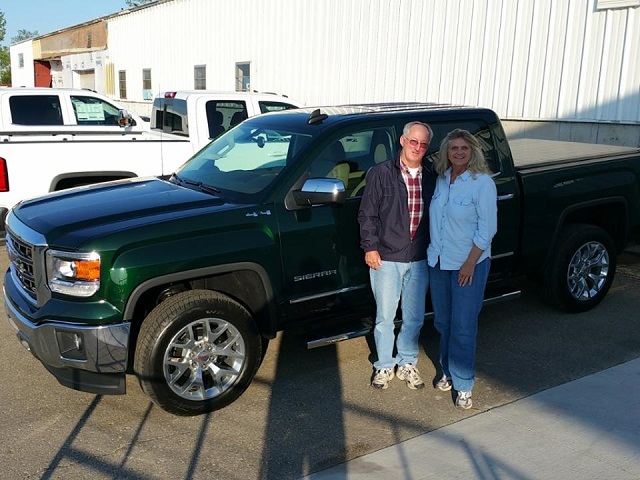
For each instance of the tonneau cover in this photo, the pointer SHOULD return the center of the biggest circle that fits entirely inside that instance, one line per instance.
(530, 152)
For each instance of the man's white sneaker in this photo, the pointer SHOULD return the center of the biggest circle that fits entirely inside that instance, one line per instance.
(464, 400)
(444, 384)
(409, 373)
(382, 377)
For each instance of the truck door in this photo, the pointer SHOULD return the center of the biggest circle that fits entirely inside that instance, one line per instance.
(498, 158)
(505, 243)
(323, 264)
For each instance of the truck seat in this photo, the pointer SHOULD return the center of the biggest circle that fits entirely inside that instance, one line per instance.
(332, 163)
(215, 124)
(379, 151)
(238, 117)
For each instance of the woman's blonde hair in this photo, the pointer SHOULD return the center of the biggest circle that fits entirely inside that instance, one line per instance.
(477, 164)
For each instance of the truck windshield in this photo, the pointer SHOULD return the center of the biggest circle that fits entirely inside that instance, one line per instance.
(244, 160)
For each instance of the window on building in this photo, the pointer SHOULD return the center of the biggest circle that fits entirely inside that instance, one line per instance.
(200, 77)
(146, 84)
(21, 60)
(122, 83)
(605, 4)
(243, 77)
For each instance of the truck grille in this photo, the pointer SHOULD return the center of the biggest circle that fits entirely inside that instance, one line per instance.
(21, 258)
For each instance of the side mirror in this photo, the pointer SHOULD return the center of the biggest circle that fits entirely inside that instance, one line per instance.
(320, 191)
(124, 118)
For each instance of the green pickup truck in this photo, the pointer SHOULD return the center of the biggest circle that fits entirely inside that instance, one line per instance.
(182, 281)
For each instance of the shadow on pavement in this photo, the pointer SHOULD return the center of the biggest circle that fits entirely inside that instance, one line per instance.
(305, 426)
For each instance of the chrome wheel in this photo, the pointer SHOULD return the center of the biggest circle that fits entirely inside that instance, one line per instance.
(197, 352)
(588, 271)
(581, 267)
(204, 359)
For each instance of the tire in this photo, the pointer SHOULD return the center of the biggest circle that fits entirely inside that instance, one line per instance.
(582, 268)
(197, 352)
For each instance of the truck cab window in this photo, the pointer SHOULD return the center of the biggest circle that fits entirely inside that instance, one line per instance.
(266, 107)
(36, 110)
(224, 114)
(351, 156)
(94, 111)
(479, 129)
(170, 116)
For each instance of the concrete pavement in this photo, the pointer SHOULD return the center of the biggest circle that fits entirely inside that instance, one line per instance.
(585, 429)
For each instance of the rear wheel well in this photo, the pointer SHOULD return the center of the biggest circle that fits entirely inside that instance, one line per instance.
(611, 217)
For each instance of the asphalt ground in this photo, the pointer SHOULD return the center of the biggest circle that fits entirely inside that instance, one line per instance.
(307, 410)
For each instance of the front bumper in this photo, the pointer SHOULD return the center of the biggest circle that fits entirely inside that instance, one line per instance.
(86, 358)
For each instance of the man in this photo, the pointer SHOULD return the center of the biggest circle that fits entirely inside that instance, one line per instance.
(394, 233)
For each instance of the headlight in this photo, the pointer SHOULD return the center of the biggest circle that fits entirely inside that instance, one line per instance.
(73, 273)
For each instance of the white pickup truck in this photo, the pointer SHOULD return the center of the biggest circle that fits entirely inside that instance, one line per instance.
(52, 139)
(203, 115)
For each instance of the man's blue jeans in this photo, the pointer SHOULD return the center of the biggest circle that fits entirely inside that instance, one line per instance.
(390, 283)
(456, 312)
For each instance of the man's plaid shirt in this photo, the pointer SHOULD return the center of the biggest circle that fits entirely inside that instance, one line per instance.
(414, 189)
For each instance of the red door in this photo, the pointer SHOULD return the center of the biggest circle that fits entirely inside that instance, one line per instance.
(42, 73)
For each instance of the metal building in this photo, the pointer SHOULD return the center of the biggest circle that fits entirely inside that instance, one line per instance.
(566, 69)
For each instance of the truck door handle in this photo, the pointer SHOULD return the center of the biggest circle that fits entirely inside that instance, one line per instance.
(508, 196)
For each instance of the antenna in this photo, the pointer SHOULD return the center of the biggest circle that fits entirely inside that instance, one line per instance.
(317, 117)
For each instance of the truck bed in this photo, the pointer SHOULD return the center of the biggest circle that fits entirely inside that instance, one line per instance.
(529, 152)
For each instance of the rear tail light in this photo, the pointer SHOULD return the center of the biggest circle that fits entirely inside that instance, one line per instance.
(4, 176)
(170, 94)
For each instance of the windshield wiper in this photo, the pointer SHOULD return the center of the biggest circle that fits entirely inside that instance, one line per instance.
(209, 188)
(202, 186)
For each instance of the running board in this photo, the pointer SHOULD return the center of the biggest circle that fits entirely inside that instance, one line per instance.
(365, 326)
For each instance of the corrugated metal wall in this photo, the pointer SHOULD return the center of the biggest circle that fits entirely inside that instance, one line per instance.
(526, 59)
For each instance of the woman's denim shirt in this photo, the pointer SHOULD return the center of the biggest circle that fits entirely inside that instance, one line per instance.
(460, 216)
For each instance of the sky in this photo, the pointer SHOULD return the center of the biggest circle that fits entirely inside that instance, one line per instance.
(46, 16)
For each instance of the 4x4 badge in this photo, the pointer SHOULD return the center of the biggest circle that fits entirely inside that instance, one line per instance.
(255, 214)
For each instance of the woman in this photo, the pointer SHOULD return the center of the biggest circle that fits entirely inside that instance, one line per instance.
(462, 222)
